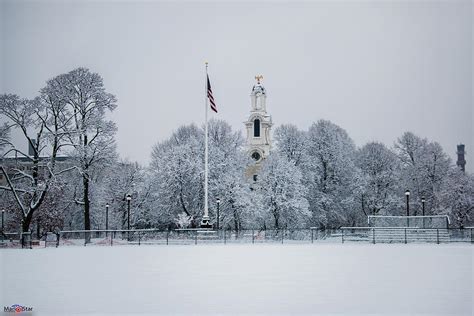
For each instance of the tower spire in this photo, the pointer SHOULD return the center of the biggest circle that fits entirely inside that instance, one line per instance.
(259, 123)
(461, 162)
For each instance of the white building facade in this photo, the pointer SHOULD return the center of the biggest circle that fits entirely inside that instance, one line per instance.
(259, 124)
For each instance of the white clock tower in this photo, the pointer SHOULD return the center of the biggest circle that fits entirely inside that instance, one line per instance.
(258, 124)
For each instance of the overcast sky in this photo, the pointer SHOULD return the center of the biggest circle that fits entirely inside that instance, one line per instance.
(377, 69)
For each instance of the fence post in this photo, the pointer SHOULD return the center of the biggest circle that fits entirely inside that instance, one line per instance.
(253, 236)
(472, 237)
(195, 237)
(139, 238)
(312, 235)
(58, 235)
(342, 234)
(373, 236)
(437, 236)
(23, 240)
(225, 237)
(405, 235)
(282, 235)
(167, 236)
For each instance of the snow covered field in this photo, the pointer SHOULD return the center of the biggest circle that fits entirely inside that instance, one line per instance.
(350, 279)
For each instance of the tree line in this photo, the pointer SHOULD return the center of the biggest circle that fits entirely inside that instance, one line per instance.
(315, 177)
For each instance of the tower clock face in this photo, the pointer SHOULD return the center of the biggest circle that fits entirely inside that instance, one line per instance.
(256, 156)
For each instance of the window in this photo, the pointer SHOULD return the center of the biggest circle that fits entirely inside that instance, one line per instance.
(256, 128)
(256, 156)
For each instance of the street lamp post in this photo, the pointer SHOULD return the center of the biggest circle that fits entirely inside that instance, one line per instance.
(3, 225)
(129, 198)
(106, 218)
(423, 209)
(407, 194)
(218, 204)
(423, 205)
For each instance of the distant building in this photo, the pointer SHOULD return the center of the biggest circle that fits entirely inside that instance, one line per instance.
(15, 166)
(461, 163)
(258, 127)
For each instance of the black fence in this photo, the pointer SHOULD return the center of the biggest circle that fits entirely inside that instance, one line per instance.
(247, 236)
(190, 236)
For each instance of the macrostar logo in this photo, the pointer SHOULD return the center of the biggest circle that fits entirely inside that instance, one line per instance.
(15, 308)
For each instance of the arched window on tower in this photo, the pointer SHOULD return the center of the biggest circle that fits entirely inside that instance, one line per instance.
(256, 128)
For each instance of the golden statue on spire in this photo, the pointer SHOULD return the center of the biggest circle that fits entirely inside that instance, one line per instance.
(258, 78)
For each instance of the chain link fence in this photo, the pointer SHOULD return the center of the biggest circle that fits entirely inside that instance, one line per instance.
(245, 236)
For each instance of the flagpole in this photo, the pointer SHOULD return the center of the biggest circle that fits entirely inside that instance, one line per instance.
(205, 220)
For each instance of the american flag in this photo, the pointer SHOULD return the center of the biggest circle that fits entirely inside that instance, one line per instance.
(209, 95)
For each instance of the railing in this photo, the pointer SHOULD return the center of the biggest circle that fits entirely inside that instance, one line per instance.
(406, 234)
(179, 237)
(462, 235)
(429, 221)
(250, 236)
(16, 240)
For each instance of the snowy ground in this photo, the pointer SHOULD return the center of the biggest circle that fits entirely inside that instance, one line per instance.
(349, 279)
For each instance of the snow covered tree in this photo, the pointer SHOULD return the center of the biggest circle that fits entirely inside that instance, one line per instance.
(177, 169)
(424, 166)
(83, 107)
(183, 220)
(4, 136)
(51, 215)
(283, 193)
(290, 142)
(38, 122)
(329, 173)
(378, 192)
(13, 213)
(227, 180)
(457, 197)
(177, 175)
(113, 186)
